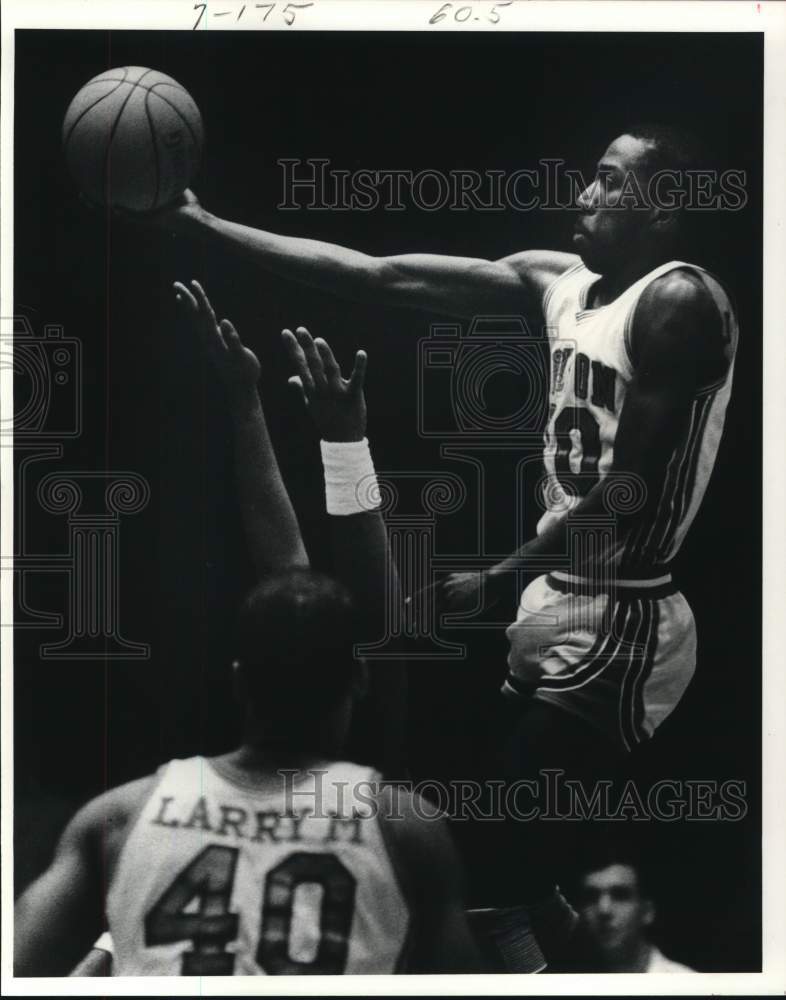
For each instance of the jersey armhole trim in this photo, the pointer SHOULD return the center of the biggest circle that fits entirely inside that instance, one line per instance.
(548, 294)
(627, 333)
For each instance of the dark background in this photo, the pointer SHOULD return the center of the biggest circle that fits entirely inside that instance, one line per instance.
(375, 101)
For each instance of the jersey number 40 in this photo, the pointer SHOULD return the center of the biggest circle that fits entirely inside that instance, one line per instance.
(209, 925)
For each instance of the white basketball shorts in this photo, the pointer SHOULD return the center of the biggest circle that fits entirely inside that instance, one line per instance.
(620, 658)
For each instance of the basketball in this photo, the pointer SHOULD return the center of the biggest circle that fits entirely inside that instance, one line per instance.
(132, 139)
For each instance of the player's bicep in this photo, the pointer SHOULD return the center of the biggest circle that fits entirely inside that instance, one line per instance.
(456, 286)
(678, 350)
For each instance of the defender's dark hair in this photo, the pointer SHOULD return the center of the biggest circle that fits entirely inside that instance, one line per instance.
(295, 638)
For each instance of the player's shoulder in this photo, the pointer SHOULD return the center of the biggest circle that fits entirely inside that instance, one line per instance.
(678, 314)
(111, 811)
(681, 292)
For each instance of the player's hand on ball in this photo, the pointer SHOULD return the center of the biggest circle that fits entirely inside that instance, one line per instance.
(337, 404)
(177, 215)
(238, 366)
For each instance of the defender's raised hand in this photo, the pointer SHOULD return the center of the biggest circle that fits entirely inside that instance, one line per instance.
(272, 531)
(238, 366)
(337, 404)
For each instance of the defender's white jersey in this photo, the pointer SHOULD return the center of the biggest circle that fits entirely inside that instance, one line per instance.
(591, 370)
(219, 879)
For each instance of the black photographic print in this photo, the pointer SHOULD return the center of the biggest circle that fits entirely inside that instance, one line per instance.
(386, 587)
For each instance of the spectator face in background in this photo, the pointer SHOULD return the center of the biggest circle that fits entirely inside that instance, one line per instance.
(614, 915)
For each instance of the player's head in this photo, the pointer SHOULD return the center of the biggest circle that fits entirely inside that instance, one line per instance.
(614, 907)
(634, 208)
(295, 668)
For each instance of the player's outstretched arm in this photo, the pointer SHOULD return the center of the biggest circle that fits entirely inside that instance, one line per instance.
(60, 915)
(454, 286)
(362, 555)
(271, 526)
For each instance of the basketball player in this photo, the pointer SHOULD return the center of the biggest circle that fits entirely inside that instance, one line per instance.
(279, 857)
(642, 349)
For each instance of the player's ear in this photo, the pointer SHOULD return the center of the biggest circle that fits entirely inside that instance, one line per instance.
(664, 220)
(359, 679)
(647, 912)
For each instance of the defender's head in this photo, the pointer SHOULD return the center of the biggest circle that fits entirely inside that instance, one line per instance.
(295, 671)
(634, 208)
(614, 908)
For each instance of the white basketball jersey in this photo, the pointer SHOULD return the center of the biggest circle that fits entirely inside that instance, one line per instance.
(266, 879)
(591, 370)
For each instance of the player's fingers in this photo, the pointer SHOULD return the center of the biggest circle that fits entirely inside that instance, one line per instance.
(312, 356)
(184, 297)
(297, 384)
(329, 363)
(358, 376)
(298, 359)
(230, 335)
(204, 302)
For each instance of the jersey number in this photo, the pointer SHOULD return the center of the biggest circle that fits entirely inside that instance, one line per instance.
(576, 418)
(209, 878)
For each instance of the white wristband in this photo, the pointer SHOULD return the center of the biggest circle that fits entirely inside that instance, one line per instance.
(350, 480)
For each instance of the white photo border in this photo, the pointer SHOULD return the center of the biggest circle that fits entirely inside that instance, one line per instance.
(766, 17)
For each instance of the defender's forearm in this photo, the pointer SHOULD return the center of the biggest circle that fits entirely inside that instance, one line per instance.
(269, 519)
(366, 566)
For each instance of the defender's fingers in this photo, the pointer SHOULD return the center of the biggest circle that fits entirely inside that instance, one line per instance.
(204, 302)
(315, 365)
(298, 359)
(212, 340)
(329, 363)
(358, 377)
(297, 385)
(230, 335)
(184, 297)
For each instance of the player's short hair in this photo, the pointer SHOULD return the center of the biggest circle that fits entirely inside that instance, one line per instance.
(673, 147)
(682, 152)
(295, 640)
